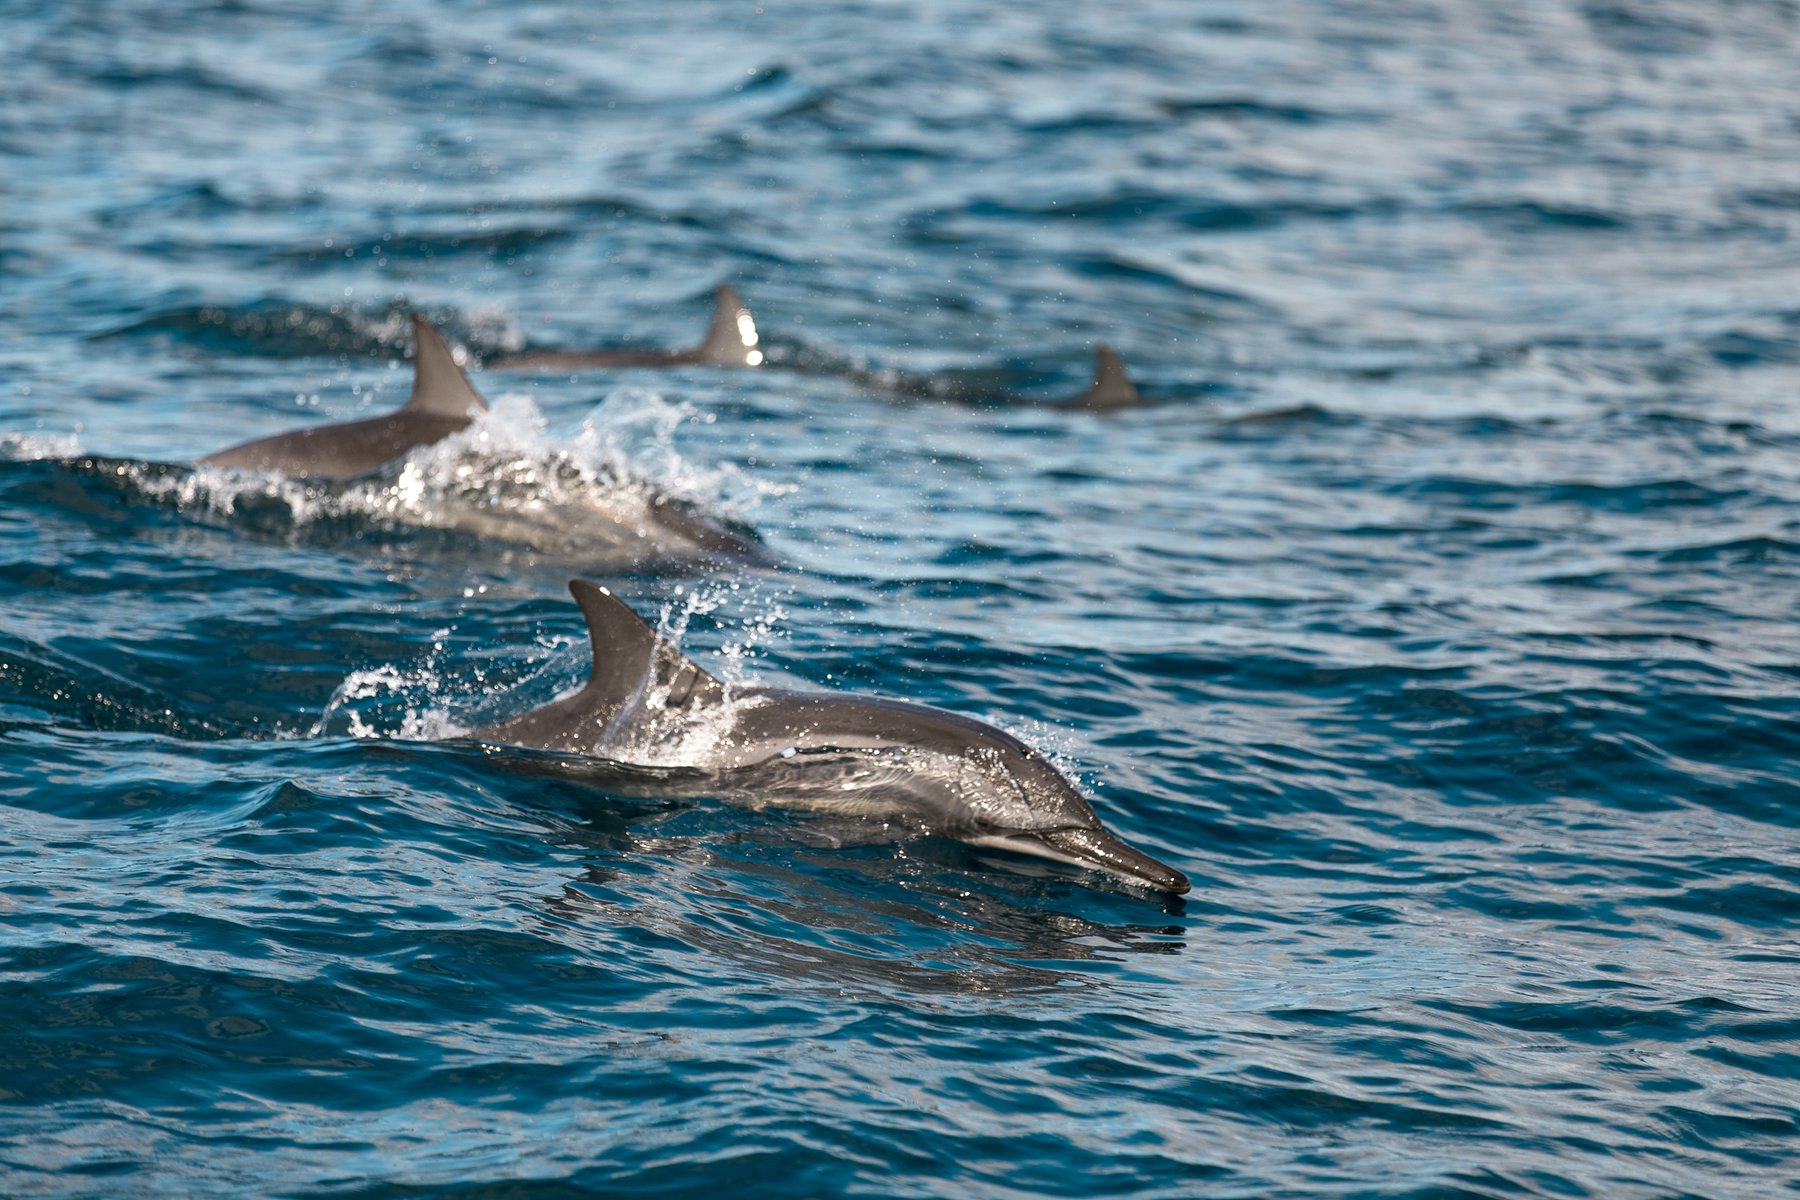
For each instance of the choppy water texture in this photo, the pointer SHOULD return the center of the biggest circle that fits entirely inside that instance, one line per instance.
(1439, 620)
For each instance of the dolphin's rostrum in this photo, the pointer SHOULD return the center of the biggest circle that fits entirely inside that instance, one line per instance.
(917, 769)
(443, 402)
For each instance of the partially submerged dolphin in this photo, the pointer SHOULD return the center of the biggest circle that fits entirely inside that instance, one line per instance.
(443, 402)
(922, 770)
(731, 341)
(550, 505)
(1111, 389)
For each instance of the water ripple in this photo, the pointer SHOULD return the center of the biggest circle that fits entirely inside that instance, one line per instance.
(1437, 617)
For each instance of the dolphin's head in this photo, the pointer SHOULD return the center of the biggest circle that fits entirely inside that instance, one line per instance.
(1032, 808)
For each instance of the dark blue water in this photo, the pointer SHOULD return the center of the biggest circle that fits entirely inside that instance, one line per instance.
(1439, 620)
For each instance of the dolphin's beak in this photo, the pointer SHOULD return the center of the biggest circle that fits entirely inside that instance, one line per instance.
(1098, 849)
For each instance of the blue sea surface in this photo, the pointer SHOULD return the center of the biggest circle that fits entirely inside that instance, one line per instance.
(1439, 615)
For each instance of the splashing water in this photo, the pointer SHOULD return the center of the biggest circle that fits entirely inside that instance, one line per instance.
(1441, 623)
(617, 494)
(415, 724)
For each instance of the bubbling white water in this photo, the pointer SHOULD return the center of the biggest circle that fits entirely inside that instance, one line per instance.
(616, 493)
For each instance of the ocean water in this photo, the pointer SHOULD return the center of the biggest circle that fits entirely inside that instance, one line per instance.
(1438, 617)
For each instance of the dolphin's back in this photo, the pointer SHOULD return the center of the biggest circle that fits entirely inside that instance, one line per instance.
(338, 451)
(443, 402)
(731, 341)
(768, 721)
(639, 677)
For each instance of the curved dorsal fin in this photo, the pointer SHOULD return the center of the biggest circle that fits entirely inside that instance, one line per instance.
(1112, 386)
(630, 658)
(440, 389)
(731, 340)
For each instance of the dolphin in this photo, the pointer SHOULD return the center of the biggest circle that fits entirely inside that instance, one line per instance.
(443, 402)
(1110, 391)
(731, 341)
(551, 506)
(879, 761)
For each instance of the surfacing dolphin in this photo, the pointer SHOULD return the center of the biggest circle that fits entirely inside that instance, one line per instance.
(443, 402)
(551, 505)
(1110, 391)
(731, 341)
(883, 762)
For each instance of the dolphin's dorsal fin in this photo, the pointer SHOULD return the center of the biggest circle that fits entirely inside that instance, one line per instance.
(440, 389)
(1112, 386)
(629, 656)
(731, 340)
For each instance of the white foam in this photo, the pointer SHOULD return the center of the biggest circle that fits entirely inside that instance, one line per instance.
(30, 447)
(636, 427)
(505, 477)
(222, 492)
(430, 698)
(416, 723)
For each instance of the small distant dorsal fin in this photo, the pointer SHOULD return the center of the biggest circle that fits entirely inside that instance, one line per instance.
(440, 389)
(629, 656)
(731, 340)
(1112, 386)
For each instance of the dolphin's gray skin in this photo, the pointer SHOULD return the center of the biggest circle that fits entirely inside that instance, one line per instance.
(731, 341)
(1110, 391)
(1112, 387)
(921, 769)
(442, 403)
